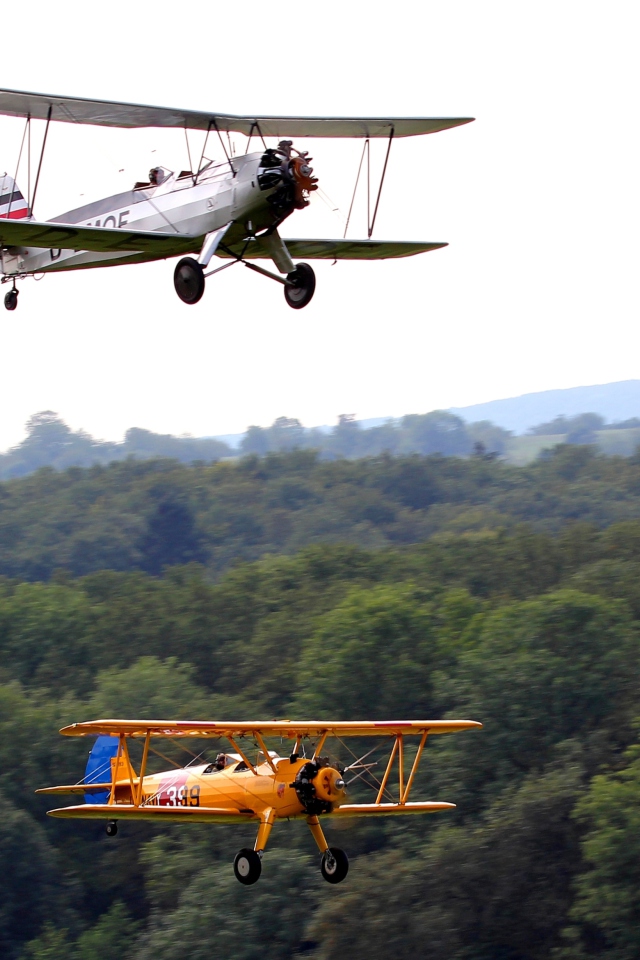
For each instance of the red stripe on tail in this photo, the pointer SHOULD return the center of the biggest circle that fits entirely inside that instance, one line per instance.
(15, 214)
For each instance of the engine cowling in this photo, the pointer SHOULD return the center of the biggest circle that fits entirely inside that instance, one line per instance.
(289, 171)
(319, 787)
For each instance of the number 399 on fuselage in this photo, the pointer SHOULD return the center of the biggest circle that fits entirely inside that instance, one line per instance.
(232, 209)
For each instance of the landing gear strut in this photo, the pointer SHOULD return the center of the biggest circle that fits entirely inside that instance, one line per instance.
(188, 279)
(334, 865)
(11, 299)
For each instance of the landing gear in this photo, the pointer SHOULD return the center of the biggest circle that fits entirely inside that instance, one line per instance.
(304, 284)
(11, 299)
(112, 828)
(247, 866)
(334, 865)
(188, 279)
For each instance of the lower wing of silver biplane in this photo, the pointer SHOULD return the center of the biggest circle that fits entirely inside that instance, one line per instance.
(230, 243)
(62, 236)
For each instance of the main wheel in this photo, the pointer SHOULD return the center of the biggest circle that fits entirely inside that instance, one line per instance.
(304, 284)
(335, 865)
(11, 299)
(247, 866)
(112, 828)
(188, 279)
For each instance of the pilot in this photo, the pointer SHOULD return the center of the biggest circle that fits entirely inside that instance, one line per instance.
(154, 176)
(284, 149)
(221, 761)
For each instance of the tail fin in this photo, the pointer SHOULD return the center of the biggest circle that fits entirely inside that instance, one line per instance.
(100, 768)
(13, 205)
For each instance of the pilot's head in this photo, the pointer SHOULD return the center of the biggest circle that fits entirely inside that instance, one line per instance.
(154, 175)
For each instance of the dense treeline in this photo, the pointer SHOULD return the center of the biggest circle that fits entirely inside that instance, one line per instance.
(468, 589)
(51, 443)
(150, 514)
(436, 432)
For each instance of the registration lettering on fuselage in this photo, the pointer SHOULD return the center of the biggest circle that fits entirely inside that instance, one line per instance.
(111, 221)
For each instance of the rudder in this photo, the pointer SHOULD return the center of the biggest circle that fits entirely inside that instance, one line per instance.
(98, 769)
(13, 205)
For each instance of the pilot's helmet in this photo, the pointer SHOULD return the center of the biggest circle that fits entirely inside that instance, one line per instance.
(221, 760)
(154, 174)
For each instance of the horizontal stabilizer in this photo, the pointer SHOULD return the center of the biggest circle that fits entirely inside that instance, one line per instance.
(389, 809)
(107, 113)
(337, 249)
(79, 788)
(63, 236)
(126, 811)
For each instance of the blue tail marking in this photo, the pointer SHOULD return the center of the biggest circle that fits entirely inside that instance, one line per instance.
(98, 769)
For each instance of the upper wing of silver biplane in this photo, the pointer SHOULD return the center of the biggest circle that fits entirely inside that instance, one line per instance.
(291, 729)
(68, 236)
(41, 106)
(335, 249)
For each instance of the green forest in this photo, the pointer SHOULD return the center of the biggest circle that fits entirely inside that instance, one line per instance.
(288, 585)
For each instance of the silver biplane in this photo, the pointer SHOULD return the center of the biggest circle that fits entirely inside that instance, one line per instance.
(231, 209)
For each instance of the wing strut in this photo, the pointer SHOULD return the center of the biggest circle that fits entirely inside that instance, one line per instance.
(398, 748)
(44, 143)
(367, 149)
(384, 170)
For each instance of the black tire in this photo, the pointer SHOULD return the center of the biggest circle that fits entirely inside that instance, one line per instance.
(304, 286)
(188, 279)
(11, 299)
(247, 866)
(334, 865)
(112, 828)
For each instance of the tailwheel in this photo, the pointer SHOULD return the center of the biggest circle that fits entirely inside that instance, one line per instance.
(112, 828)
(11, 299)
(247, 866)
(334, 865)
(301, 286)
(188, 279)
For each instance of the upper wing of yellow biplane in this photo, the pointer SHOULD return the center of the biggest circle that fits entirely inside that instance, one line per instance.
(69, 236)
(290, 729)
(41, 106)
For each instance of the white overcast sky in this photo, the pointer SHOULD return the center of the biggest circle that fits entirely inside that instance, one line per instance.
(539, 200)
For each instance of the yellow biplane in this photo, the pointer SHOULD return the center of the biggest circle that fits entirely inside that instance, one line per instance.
(236, 789)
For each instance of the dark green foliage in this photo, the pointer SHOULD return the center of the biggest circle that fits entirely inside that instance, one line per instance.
(498, 889)
(29, 876)
(157, 513)
(171, 537)
(605, 912)
(213, 913)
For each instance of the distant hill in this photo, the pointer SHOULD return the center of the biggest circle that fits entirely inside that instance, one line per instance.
(613, 401)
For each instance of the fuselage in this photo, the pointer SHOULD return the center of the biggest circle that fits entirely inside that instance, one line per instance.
(218, 196)
(237, 788)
